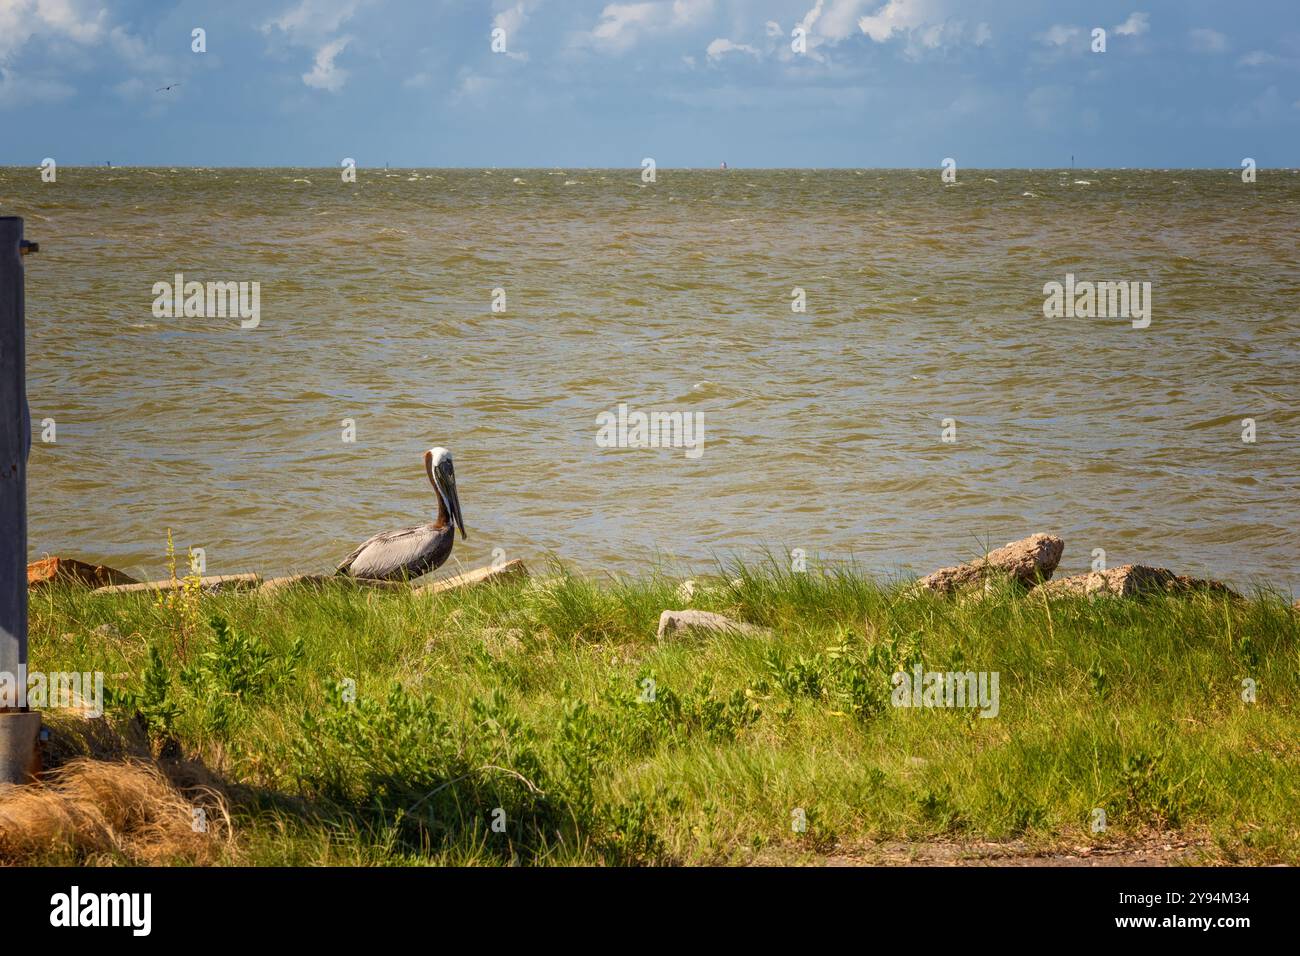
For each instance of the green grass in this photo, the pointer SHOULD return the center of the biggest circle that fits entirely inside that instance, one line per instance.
(391, 728)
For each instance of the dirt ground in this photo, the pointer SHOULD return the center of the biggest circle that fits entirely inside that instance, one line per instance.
(1156, 852)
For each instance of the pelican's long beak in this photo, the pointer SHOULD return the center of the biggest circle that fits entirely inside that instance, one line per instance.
(447, 476)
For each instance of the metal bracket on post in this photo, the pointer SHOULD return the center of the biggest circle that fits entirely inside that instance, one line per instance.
(19, 727)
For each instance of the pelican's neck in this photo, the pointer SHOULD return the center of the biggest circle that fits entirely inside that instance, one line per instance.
(443, 514)
(442, 520)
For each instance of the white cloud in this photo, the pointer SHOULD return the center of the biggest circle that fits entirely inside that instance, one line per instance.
(1136, 25)
(835, 20)
(1208, 41)
(1258, 58)
(310, 21)
(924, 23)
(134, 52)
(622, 25)
(511, 20)
(722, 46)
(812, 38)
(72, 19)
(84, 23)
(15, 29)
(690, 11)
(773, 28)
(812, 15)
(935, 36)
(312, 24)
(20, 20)
(324, 74)
(1060, 34)
(839, 20)
(896, 16)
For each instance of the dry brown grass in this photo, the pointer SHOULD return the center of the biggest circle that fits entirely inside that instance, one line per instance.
(95, 811)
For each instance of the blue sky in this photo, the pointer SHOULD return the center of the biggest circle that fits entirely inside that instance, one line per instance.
(688, 82)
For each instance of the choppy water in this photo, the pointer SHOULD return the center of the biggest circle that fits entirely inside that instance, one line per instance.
(822, 430)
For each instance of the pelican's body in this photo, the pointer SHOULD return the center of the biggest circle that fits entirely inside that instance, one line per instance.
(411, 552)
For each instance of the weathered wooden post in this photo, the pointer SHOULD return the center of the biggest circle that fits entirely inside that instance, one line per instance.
(19, 727)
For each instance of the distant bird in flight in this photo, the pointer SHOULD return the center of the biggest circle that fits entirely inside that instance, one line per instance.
(411, 552)
(164, 89)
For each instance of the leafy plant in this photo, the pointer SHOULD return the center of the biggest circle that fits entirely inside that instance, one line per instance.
(1097, 677)
(937, 809)
(155, 702)
(1151, 792)
(848, 684)
(238, 669)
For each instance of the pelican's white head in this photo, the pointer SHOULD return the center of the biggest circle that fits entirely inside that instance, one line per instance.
(442, 475)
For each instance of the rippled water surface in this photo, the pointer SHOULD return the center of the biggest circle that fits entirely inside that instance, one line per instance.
(822, 430)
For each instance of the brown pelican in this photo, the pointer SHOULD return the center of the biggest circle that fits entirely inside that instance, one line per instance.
(412, 552)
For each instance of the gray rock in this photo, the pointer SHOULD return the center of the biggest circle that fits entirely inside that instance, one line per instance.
(670, 622)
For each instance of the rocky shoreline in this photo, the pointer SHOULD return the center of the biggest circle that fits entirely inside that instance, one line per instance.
(1031, 562)
(100, 579)
(1028, 563)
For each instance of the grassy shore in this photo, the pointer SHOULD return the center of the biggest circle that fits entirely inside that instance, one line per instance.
(341, 726)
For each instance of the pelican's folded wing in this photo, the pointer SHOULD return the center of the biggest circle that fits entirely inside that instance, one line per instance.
(390, 553)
